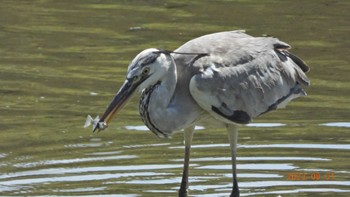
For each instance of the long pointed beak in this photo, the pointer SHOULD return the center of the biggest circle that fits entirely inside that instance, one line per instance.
(118, 102)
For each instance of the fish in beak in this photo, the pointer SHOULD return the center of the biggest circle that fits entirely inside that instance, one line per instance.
(138, 72)
(118, 102)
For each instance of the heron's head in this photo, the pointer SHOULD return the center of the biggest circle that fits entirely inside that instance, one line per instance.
(146, 69)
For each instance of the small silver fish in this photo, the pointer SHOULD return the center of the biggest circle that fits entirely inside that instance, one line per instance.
(96, 124)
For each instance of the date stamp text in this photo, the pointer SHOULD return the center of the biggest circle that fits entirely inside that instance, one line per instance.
(311, 176)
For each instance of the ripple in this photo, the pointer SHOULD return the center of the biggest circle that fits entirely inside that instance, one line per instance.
(144, 128)
(199, 128)
(201, 146)
(264, 193)
(161, 191)
(79, 178)
(104, 153)
(86, 145)
(150, 181)
(161, 181)
(16, 189)
(266, 125)
(137, 128)
(204, 159)
(113, 195)
(3, 155)
(266, 184)
(94, 142)
(265, 166)
(93, 93)
(256, 175)
(61, 171)
(304, 146)
(336, 124)
(304, 190)
(84, 189)
(146, 145)
(108, 195)
(71, 161)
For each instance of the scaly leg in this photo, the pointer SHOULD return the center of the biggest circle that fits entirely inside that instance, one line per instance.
(188, 140)
(232, 131)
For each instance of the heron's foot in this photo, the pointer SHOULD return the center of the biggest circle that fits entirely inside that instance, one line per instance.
(182, 192)
(234, 194)
(235, 189)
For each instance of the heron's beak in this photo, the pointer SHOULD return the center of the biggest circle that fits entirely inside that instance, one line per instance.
(118, 102)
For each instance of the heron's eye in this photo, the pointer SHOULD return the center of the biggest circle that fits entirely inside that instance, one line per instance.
(146, 71)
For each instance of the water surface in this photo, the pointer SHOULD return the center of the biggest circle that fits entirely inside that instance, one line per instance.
(62, 60)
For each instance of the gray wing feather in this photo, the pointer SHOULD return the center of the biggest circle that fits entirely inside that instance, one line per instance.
(243, 76)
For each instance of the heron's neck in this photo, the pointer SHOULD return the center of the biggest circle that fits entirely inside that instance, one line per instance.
(163, 94)
(159, 106)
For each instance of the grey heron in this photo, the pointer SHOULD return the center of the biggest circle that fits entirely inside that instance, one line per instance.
(230, 76)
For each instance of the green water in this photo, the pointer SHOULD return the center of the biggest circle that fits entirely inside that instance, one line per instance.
(62, 60)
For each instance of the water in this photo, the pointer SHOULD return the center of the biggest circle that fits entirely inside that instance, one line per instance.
(62, 60)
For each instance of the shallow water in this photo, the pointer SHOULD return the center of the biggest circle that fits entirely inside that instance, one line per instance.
(62, 60)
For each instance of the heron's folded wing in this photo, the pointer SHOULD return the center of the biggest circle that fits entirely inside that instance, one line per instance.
(246, 89)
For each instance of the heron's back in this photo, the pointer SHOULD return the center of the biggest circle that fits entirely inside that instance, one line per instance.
(242, 77)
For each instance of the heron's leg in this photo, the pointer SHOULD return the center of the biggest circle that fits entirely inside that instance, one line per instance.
(232, 131)
(188, 140)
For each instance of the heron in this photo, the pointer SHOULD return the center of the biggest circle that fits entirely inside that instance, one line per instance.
(230, 77)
